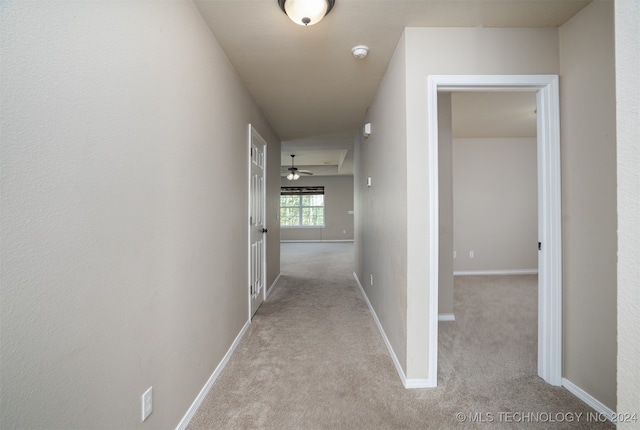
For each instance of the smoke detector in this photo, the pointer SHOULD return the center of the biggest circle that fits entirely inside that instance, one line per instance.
(360, 51)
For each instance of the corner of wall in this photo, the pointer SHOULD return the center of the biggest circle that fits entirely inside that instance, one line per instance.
(588, 135)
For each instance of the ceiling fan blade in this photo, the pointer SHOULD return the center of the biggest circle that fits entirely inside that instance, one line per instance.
(305, 172)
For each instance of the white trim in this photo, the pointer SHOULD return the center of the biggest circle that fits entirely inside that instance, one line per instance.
(274, 284)
(248, 175)
(406, 382)
(417, 383)
(302, 227)
(496, 272)
(589, 400)
(446, 317)
(392, 353)
(549, 206)
(184, 422)
(314, 241)
(550, 234)
(265, 153)
(434, 229)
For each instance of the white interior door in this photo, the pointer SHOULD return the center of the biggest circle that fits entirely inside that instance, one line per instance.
(257, 227)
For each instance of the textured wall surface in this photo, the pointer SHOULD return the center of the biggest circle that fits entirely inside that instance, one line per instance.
(124, 243)
(588, 145)
(455, 51)
(381, 209)
(627, 36)
(392, 233)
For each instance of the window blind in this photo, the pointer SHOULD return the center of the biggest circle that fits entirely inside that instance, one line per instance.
(300, 191)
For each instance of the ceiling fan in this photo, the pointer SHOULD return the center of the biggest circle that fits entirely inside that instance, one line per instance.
(294, 172)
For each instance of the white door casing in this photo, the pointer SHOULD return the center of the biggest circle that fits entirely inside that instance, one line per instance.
(257, 224)
(549, 209)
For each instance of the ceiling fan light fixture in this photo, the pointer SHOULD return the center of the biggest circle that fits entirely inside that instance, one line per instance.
(306, 12)
(293, 171)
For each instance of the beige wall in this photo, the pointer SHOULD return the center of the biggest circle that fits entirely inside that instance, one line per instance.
(627, 40)
(381, 210)
(392, 231)
(495, 204)
(338, 201)
(451, 51)
(445, 194)
(588, 136)
(124, 242)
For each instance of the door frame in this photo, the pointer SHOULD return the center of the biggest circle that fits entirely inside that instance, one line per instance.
(254, 133)
(549, 209)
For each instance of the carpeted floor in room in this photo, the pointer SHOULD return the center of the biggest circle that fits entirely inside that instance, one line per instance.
(313, 359)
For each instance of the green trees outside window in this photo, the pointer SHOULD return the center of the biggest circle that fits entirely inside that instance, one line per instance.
(305, 210)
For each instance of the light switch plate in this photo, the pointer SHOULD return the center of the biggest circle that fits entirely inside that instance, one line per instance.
(147, 403)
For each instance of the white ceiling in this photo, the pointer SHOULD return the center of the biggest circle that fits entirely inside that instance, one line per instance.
(305, 80)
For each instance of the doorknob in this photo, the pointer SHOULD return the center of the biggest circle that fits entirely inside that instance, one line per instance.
(264, 230)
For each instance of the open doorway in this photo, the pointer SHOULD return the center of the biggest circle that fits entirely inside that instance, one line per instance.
(488, 234)
(316, 195)
(549, 220)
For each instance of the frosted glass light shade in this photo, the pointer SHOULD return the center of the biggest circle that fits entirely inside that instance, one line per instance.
(306, 12)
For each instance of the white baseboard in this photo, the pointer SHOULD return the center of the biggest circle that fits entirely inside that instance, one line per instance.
(273, 285)
(589, 399)
(314, 241)
(407, 382)
(446, 317)
(184, 422)
(418, 383)
(496, 272)
(384, 335)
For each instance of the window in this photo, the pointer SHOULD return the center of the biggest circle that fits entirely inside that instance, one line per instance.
(302, 206)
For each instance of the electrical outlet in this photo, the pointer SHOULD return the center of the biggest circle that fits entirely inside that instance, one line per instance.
(471, 254)
(147, 403)
(371, 279)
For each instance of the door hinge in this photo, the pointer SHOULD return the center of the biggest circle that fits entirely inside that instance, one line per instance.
(539, 246)
(252, 151)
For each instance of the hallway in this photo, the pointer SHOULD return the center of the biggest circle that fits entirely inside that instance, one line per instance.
(314, 359)
(125, 135)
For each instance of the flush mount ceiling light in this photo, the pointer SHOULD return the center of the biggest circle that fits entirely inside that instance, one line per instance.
(306, 12)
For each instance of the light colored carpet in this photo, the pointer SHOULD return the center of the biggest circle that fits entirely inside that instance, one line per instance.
(314, 359)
